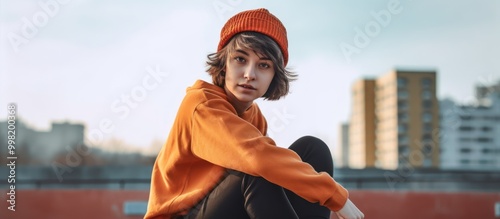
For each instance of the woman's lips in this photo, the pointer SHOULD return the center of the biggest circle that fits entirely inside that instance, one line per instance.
(247, 86)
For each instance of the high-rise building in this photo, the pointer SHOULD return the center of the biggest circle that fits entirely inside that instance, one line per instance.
(342, 152)
(362, 125)
(470, 134)
(393, 119)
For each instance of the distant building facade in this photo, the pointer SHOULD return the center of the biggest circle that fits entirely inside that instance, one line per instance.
(392, 121)
(362, 125)
(40, 147)
(470, 134)
(342, 152)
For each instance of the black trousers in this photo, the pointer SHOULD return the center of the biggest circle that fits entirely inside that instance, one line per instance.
(240, 196)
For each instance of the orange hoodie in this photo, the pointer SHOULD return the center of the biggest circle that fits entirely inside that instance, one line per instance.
(207, 137)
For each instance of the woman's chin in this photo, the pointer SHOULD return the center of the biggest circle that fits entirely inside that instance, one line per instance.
(245, 99)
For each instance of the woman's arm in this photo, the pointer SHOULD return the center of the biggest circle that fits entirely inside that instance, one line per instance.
(222, 138)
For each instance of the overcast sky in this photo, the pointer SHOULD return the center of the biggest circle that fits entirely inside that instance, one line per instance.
(128, 64)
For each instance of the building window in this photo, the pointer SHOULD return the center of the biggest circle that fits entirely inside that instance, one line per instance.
(464, 161)
(426, 83)
(402, 128)
(402, 82)
(426, 137)
(466, 128)
(403, 160)
(403, 150)
(465, 150)
(402, 105)
(484, 140)
(426, 95)
(402, 117)
(465, 139)
(428, 147)
(486, 129)
(402, 94)
(485, 162)
(402, 139)
(427, 127)
(486, 150)
(427, 162)
(466, 117)
(488, 118)
(427, 117)
(427, 104)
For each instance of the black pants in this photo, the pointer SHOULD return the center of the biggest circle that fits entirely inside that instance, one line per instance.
(240, 195)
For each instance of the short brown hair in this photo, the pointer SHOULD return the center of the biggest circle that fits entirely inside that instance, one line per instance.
(263, 45)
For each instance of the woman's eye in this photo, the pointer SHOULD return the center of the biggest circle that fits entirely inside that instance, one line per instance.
(239, 59)
(264, 65)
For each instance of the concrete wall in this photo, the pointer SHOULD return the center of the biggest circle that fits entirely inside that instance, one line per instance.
(109, 204)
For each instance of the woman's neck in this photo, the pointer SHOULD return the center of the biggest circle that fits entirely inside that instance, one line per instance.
(240, 106)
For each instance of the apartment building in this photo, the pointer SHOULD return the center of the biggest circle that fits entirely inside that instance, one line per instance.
(393, 119)
(470, 134)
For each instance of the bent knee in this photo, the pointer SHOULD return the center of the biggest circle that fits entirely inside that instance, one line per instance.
(315, 143)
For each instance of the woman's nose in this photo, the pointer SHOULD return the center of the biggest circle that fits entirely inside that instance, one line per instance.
(249, 73)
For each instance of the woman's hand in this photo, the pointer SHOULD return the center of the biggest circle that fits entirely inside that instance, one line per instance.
(349, 211)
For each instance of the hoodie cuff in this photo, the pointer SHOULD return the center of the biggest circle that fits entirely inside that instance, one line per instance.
(338, 200)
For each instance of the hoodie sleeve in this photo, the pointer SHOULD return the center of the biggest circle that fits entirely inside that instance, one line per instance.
(222, 138)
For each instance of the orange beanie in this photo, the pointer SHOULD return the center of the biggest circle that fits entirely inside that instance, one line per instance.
(258, 20)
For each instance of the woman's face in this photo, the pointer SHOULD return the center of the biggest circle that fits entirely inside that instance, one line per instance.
(248, 75)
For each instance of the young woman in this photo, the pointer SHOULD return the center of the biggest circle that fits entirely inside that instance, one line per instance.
(218, 161)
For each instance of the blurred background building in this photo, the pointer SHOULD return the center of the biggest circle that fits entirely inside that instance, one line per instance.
(396, 120)
(342, 150)
(41, 147)
(362, 125)
(62, 143)
(470, 133)
(392, 121)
